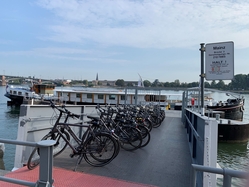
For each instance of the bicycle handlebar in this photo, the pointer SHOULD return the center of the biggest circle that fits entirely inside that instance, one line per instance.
(64, 110)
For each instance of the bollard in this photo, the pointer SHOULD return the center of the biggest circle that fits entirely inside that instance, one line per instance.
(46, 163)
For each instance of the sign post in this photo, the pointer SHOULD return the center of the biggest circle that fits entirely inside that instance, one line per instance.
(202, 49)
(219, 62)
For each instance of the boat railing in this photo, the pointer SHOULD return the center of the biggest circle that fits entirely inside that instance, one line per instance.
(228, 174)
(46, 163)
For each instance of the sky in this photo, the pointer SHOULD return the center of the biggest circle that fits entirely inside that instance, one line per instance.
(118, 39)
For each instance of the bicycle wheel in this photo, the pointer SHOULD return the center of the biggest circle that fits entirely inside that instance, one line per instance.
(145, 135)
(130, 138)
(157, 122)
(100, 149)
(60, 145)
(34, 159)
(148, 124)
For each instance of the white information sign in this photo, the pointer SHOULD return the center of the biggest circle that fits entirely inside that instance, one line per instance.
(219, 61)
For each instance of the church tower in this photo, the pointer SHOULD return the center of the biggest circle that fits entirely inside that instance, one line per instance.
(97, 80)
(3, 80)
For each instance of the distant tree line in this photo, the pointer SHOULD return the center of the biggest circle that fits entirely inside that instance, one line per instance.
(240, 82)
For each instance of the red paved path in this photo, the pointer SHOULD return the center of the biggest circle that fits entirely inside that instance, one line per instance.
(67, 178)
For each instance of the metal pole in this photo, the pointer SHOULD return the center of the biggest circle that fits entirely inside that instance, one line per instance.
(125, 96)
(46, 163)
(136, 95)
(202, 49)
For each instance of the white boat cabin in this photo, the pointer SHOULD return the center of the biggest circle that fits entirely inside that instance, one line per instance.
(107, 97)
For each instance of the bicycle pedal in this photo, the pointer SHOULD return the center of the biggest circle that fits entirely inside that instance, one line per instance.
(72, 154)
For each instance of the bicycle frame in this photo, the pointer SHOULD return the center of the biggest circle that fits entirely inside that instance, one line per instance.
(60, 127)
(66, 126)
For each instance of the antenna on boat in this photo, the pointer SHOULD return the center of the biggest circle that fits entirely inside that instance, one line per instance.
(229, 94)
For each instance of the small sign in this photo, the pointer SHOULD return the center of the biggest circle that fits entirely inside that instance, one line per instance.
(219, 61)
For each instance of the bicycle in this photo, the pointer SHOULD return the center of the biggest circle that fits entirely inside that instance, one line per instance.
(128, 135)
(97, 148)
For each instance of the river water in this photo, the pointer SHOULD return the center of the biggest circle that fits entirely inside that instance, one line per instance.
(8, 129)
(230, 155)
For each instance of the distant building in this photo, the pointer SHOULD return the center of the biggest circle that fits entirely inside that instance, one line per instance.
(66, 82)
(131, 83)
(107, 83)
(96, 81)
(3, 82)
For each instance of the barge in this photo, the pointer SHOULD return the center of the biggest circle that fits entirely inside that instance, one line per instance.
(22, 94)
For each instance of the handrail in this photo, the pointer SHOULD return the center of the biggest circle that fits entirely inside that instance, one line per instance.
(227, 173)
(46, 159)
(193, 129)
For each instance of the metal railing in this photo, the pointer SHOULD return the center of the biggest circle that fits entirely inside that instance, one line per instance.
(46, 163)
(228, 174)
(202, 137)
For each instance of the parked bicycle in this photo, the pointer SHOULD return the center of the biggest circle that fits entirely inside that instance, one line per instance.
(121, 123)
(96, 147)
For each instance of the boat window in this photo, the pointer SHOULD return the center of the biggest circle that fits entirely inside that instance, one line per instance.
(26, 94)
(78, 95)
(149, 98)
(19, 93)
(14, 92)
(89, 96)
(11, 91)
(100, 96)
(122, 97)
(112, 97)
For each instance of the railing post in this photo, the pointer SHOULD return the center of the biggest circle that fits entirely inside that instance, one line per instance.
(46, 163)
(136, 95)
(193, 182)
(227, 179)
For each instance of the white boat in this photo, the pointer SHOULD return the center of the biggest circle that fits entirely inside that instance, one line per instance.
(19, 94)
(109, 96)
(232, 108)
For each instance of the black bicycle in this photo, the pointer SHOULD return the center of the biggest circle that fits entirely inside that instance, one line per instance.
(97, 148)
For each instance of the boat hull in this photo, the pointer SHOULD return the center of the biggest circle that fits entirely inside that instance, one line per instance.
(233, 132)
(19, 95)
(15, 99)
(233, 112)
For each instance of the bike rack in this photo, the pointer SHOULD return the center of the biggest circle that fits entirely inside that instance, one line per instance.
(46, 163)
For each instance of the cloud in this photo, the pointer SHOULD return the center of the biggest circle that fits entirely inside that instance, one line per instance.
(145, 24)
(69, 54)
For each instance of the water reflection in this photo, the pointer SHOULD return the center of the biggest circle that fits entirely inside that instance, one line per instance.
(9, 116)
(233, 156)
(13, 110)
